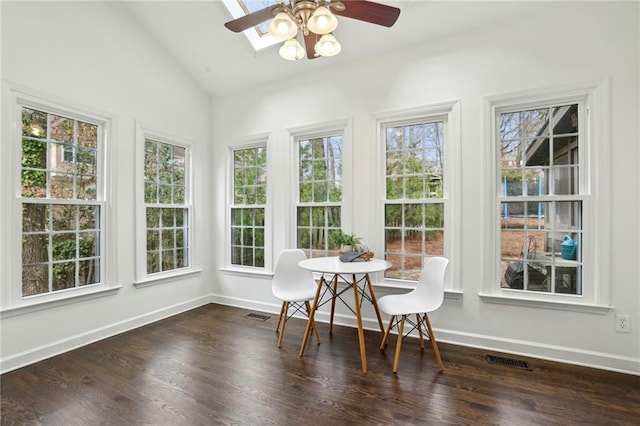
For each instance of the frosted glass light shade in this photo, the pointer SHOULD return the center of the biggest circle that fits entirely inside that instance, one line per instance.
(282, 27)
(322, 21)
(292, 50)
(327, 46)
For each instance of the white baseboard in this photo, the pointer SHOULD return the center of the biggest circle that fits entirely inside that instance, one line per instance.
(40, 353)
(568, 355)
(603, 361)
(245, 304)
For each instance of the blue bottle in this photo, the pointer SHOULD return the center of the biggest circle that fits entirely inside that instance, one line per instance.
(569, 248)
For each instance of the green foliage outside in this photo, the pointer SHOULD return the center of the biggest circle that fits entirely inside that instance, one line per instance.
(414, 172)
(320, 194)
(164, 188)
(164, 173)
(247, 223)
(72, 231)
(414, 214)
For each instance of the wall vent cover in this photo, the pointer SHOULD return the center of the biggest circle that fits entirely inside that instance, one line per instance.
(516, 363)
(258, 316)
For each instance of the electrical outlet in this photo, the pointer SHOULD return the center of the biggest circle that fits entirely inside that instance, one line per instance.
(623, 323)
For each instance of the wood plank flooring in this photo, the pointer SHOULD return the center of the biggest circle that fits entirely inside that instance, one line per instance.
(215, 365)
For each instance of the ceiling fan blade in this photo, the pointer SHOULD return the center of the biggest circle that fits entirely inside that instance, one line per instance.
(367, 11)
(252, 19)
(310, 44)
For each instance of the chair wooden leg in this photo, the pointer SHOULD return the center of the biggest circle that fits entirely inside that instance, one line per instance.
(313, 321)
(385, 337)
(398, 344)
(314, 306)
(420, 331)
(280, 318)
(283, 322)
(374, 302)
(433, 342)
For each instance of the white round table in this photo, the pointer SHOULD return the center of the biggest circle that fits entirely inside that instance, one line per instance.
(348, 272)
(333, 265)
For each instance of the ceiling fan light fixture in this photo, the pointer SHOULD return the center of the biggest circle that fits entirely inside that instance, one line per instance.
(322, 21)
(282, 26)
(309, 20)
(292, 50)
(327, 46)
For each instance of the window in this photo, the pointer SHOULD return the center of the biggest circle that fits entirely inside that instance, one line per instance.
(258, 36)
(319, 206)
(248, 207)
(547, 226)
(419, 190)
(62, 200)
(541, 205)
(414, 207)
(166, 220)
(67, 153)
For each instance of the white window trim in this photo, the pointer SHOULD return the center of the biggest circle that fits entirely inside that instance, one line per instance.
(321, 130)
(143, 279)
(264, 139)
(12, 302)
(594, 162)
(450, 113)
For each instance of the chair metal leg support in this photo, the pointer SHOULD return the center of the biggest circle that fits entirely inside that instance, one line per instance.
(419, 322)
(385, 336)
(433, 342)
(333, 302)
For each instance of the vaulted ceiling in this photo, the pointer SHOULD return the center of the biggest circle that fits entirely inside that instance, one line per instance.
(223, 62)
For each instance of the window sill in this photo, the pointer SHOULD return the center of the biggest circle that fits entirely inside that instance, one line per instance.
(546, 304)
(50, 304)
(404, 285)
(164, 278)
(247, 272)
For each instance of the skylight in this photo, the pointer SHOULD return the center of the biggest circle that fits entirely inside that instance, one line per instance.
(258, 36)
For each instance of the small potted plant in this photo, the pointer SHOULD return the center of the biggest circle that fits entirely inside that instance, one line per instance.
(349, 242)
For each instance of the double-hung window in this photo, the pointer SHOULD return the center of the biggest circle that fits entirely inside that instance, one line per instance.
(541, 205)
(248, 206)
(62, 200)
(319, 193)
(416, 202)
(165, 210)
(545, 220)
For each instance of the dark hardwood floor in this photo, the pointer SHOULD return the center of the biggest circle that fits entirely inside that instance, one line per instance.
(216, 365)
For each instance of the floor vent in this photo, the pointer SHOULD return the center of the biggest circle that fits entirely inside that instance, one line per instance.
(258, 316)
(492, 359)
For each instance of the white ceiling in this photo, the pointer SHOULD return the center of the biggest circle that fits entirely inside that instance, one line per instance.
(223, 62)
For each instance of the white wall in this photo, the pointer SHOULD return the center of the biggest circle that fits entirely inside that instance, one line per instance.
(567, 44)
(93, 54)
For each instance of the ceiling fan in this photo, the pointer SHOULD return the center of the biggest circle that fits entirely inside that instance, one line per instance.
(315, 20)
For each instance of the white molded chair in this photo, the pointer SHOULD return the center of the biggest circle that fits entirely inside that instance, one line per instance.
(294, 286)
(426, 297)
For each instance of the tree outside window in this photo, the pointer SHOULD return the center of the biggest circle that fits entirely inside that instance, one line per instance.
(166, 207)
(319, 208)
(61, 202)
(248, 206)
(414, 208)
